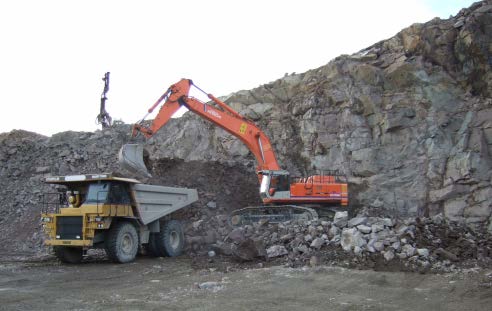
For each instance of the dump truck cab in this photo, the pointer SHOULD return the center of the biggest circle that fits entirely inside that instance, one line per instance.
(118, 214)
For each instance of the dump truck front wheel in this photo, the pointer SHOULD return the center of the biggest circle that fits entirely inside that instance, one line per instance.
(68, 254)
(122, 242)
(169, 241)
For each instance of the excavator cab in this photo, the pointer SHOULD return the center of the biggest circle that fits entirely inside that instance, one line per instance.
(275, 184)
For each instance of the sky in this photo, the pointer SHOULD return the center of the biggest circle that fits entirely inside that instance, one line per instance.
(54, 53)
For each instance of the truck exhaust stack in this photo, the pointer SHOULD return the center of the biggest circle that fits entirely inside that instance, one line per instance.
(130, 158)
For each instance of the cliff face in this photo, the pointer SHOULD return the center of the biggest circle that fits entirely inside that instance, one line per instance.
(408, 120)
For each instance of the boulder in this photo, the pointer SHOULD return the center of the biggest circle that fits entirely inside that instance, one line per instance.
(341, 219)
(351, 238)
(276, 251)
(389, 255)
(236, 235)
(364, 229)
(249, 249)
(317, 243)
(409, 250)
(423, 252)
(353, 222)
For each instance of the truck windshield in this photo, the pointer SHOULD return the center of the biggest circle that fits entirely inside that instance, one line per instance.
(97, 193)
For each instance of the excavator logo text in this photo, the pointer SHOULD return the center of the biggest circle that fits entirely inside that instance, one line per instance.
(214, 113)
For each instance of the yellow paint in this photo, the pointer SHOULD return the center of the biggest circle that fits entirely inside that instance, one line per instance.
(243, 128)
(101, 210)
(68, 242)
(89, 226)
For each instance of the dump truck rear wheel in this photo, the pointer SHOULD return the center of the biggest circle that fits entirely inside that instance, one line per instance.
(68, 254)
(122, 243)
(170, 240)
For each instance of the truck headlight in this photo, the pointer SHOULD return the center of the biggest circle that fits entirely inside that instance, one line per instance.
(46, 219)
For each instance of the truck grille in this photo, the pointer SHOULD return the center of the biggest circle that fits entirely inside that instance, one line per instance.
(69, 227)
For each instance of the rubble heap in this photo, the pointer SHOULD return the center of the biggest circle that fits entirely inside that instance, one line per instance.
(414, 243)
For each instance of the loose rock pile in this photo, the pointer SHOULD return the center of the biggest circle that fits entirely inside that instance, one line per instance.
(413, 244)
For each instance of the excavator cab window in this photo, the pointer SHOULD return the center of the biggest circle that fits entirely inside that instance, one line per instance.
(274, 183)
(280, 183)
(283, 183)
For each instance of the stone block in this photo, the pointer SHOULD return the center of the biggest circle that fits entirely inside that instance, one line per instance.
(276, 251)
(341, 218)
(350, 238)
(353, 222)
(317, 243)
(364, 229)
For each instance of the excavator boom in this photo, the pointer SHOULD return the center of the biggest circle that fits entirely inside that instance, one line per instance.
(228, 119)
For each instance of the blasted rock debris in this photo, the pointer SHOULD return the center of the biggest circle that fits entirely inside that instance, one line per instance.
(413, 244)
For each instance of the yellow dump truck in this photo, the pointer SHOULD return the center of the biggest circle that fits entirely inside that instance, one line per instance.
(120, 215)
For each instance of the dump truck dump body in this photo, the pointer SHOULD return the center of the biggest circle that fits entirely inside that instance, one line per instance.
(154, 202)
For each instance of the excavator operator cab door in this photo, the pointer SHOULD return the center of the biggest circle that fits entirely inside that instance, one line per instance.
(275, 184)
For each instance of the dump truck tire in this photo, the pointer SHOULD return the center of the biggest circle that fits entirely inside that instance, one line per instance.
(122, 242)
(170, 240)
(68, 254)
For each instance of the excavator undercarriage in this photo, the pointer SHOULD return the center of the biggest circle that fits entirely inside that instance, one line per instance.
(274, 214)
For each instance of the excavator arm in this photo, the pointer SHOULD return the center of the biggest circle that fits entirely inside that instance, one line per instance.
(221, 115)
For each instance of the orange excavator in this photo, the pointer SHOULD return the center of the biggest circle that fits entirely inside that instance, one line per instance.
(285, 197)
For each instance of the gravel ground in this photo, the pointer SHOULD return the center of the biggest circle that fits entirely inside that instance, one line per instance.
(174, 284)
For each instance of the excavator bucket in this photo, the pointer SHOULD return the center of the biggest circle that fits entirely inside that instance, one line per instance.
(131, 158)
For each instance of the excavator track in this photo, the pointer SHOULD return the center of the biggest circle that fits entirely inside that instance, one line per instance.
(326, 212)
(274, 214)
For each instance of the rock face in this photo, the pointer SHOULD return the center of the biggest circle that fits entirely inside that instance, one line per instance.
(408, 120)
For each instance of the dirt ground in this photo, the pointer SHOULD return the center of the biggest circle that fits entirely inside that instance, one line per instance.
(176, 284)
